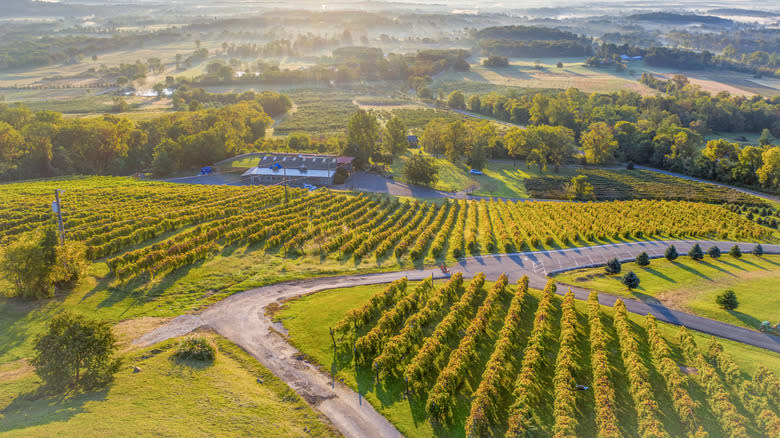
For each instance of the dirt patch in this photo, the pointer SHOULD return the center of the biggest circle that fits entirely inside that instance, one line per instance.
(15, 370)
(691, 371)
(130, 329)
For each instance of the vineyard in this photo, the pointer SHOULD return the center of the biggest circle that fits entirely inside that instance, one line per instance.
(473, 358)
(147, 230)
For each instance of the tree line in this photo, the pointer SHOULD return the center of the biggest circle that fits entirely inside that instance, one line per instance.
(44, 144)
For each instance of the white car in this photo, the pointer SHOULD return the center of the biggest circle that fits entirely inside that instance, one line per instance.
(476, 172)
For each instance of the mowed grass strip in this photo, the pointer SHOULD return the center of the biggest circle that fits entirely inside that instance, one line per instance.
(308, 319)
(692, 286)
(232, 396)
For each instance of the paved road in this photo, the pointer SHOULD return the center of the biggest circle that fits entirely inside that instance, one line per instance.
(370, 182)
(241, 318)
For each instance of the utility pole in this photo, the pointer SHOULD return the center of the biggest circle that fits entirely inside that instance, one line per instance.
(58, 210)
(285, 184)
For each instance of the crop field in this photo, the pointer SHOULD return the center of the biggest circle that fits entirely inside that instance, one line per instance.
(476, 358)
(159, 249)
(234, 396)
(692, 286)
(526, 73)
(505, 179)
(611, 184)
(319, 112)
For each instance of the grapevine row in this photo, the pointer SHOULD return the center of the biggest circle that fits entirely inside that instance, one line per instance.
(424, 367)
(369, 345)
(520, 418)
(495, 384)
(647, 411)
(604, 392)
(406, 341)
(442, 397)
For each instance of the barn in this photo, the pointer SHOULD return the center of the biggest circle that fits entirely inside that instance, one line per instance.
(297, 169)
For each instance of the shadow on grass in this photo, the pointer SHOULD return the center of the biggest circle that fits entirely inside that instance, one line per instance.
(733, 265)
(718, 268)
(659, 275)
(691, 270)
(38, 408)
(754, 265)
(748, 320)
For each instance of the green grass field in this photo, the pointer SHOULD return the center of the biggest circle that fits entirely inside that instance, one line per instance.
(308, 319)
(692, 286)
(527, 73)
(510, 179)
(169, 397)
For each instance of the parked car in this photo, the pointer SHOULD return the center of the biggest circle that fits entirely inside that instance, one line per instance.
(476, 172)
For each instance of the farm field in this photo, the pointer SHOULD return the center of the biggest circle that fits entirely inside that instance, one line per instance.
(508, 179)
(692, 286)
(457, 342)
(167, 397)
(159, 249)
(523, 73)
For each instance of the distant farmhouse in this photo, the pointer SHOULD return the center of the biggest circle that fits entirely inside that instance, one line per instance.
(297, 169)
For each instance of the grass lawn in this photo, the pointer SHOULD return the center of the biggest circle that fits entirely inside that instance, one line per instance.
(510, 179)
(168, 397)
(692, 286)
(308, 318)
(452, 177)
(235, 269)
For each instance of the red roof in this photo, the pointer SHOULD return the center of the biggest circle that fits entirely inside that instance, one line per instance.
(345, 160)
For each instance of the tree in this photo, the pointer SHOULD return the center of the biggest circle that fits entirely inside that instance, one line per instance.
(579, 188)
(456, 100)
(613, 266)
(735, 252)
(671, 253)
(631, 280)
(598, 143)
(298, 141)
(419, 169)
(714, 252)
(434, 137)
(758, 250)
(29, 263)
(696, 253)
(362, 137)
(541, 145)
(76, 354)
(727, 300)
(455, 141)
(475, 105)
(11, 149)
(643, 259)
(394, 137)
(765, 139)
(769, 172)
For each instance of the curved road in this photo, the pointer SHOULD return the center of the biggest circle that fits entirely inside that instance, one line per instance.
(241, 318)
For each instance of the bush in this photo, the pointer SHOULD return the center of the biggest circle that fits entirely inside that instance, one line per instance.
(29, 264)
(671, 253)
(421, 170)
(735, 252)
(613, 266)
(76, 354)
(643, 259)
(196, 348)
(758, 250)
(696, 253)
(727, 300)
(714, 252)
(631, 280)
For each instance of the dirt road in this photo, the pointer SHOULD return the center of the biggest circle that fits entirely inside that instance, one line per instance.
(241, 318)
